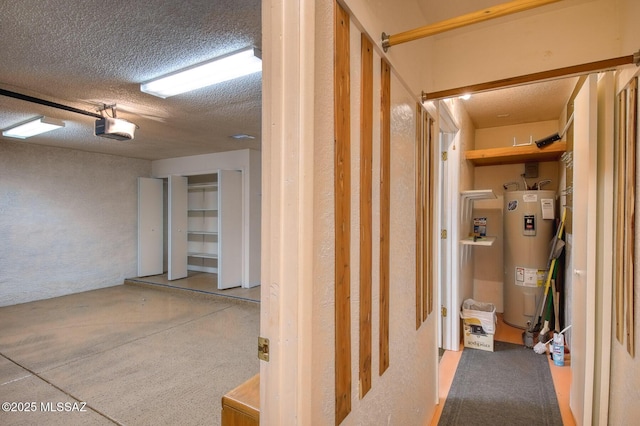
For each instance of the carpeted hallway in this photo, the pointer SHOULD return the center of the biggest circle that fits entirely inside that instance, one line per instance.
(133, 355)
(561, 376)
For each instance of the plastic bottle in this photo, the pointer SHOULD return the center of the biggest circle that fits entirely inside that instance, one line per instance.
(558, 349)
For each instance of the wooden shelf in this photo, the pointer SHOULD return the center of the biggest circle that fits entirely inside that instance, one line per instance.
(203, 255)
(481, 241)
(516, 154)
(200, 186)
(203, 232)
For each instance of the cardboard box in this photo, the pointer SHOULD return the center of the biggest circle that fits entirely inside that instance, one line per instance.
(475, 337)
(480, 313)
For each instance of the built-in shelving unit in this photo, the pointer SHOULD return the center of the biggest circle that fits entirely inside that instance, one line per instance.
(214, 226)
(195, 216)
(202, 226)
(516, 154)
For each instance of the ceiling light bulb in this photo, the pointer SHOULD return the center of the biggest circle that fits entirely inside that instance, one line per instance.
(32, 127)
(465, 97)
(223, 68)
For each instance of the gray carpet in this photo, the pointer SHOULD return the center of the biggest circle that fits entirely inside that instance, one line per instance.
(511, 386)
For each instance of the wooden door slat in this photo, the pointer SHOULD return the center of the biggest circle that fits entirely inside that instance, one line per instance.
(385, 211)
(342, 191)
(366, 229)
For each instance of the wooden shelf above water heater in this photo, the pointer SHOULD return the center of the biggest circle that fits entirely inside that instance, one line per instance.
(516, 154)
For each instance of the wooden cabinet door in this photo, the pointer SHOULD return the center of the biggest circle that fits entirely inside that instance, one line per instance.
(177, 207)
(230, 217)
(150, 234)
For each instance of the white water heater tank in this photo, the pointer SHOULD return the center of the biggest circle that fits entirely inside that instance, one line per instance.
(529, 218)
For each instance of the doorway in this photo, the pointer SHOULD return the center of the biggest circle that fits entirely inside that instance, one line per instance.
(483, 112)
(448, 328)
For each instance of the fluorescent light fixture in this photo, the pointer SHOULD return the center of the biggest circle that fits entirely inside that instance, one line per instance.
(223, 68)
(32, 127)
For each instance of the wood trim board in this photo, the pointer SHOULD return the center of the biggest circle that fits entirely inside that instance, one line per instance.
(418, 213)
(629, 253)
(425, 213)
(385, 211)
(619, 221)
(430, 210)
(342, 185)
(624, 227)
(366, 207)
(573, 70)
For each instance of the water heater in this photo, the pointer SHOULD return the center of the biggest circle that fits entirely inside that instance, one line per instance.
(528, 230)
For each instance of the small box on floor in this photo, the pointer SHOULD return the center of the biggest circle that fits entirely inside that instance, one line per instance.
(476, 338)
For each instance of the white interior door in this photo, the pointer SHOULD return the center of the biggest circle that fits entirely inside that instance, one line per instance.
(449, 326)
(583, 304)
(444, 280)
(149, 226)
(604, 291)
(230, 220)
(177, 207)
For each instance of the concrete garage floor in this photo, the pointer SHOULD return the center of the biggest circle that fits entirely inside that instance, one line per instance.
(134, 355)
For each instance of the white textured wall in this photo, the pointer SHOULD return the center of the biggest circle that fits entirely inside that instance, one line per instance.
(624, 391)
(406, 393)
(323, 326)
(412, 353)
(413, 61)
(68, 221)
(553, 36)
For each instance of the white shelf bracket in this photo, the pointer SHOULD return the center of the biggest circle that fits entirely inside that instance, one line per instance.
(468, 197)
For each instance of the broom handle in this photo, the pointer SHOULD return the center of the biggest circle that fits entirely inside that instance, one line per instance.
(553, 263)
(557, 237)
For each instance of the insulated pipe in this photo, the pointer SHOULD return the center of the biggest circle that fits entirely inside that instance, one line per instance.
(540, 184)
(508, 184)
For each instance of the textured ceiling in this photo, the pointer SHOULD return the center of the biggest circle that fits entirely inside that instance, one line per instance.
(523, 104)
(88, 53)
(85, 54)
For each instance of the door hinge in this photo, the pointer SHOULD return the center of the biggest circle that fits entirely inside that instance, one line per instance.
(444, 155)
(444, 311)
(443, 234)
(263, 348)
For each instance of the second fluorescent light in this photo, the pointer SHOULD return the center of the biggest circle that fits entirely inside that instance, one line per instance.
(32, 127)
(223, 68)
